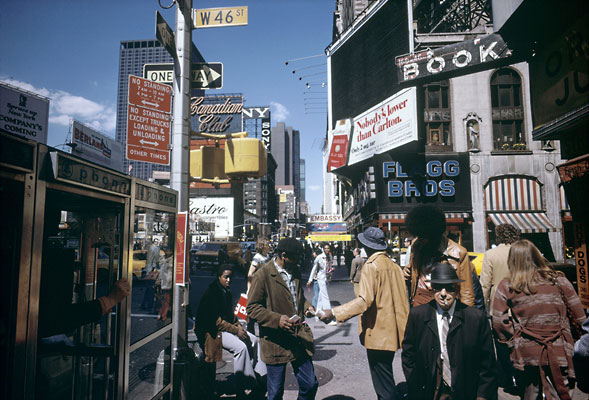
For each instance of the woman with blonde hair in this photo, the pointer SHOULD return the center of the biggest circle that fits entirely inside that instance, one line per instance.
(261, 257)
(532, 312)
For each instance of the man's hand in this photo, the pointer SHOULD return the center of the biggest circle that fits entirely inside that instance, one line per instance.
(241, 333)
(310, 312)
(327, 316)
(406, 273)
(120, 289)
(285, 323)
(308, 284)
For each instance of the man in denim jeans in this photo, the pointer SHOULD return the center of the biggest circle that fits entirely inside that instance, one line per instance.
(277, 302)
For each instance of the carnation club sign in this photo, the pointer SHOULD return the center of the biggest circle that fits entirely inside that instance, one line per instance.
(386, 126)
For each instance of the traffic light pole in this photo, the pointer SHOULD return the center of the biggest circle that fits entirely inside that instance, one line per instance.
(179, 182)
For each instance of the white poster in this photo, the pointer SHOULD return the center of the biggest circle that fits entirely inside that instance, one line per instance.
(214, 210)
(386, 126)
(96, 147)
(23, 113)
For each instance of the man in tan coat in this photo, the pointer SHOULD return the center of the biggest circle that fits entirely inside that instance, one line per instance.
(495, 267)
(384, 307)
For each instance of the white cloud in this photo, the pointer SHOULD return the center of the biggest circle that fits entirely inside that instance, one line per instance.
(64, 106)
(314, 188)
(279, 112)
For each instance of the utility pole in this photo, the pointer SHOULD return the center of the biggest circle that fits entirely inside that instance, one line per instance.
(179, 180)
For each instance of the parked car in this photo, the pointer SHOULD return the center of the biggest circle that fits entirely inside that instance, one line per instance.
(212, 254)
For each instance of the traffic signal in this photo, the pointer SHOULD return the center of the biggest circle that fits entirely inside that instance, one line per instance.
(207, 163)
(245, 157)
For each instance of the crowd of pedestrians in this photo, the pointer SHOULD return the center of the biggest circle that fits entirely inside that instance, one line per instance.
(519, 328)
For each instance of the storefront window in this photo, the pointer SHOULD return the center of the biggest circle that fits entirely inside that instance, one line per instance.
(149, 368)
(152, 269)
(507, 111)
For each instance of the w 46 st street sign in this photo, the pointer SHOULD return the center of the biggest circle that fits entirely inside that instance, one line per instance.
(202, 75)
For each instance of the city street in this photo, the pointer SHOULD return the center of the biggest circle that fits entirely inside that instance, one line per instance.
(340, 360)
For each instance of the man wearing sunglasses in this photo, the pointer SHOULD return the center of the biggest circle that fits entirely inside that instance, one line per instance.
(448, 349)
(277, 302)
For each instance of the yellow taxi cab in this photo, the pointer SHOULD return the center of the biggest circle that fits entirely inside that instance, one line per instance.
(477, 260)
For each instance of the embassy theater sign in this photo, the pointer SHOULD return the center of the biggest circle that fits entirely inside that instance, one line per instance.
(442, 179)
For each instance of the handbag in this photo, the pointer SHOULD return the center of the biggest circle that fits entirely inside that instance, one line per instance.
(576, 329)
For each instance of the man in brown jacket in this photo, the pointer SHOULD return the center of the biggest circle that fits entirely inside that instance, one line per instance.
(382, 301)
(277, 302)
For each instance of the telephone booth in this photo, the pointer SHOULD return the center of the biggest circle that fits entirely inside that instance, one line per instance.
(71, 229)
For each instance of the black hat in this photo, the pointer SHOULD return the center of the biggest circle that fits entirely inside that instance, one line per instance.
(289, 246)
(443, 273)
(373, 238)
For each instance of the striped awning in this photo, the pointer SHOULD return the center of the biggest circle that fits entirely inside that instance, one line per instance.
(565, 209)
(401, 216)
(513, 194)
(530, 222)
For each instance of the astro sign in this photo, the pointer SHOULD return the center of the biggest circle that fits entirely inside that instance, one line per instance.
(468, 53)
(439, 179)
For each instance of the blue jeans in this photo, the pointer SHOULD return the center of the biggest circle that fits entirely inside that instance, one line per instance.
(305, 373)
(315, 294)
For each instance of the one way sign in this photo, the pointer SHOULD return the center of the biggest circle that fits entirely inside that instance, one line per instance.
(202, 75)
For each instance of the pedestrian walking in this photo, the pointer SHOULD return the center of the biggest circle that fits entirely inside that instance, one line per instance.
(533, 311)
(428, 224)
(321, 270)
(356, 270)
(277, 302)
(494, 270)
(448, 349)
(383, 305)
(259, 259)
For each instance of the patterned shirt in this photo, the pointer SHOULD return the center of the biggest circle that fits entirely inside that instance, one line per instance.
(290, 283)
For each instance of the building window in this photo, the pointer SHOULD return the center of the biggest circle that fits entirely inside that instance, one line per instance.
(507, 111)
(437, 116)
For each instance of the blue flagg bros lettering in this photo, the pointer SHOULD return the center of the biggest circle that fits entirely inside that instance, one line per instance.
(431, 188)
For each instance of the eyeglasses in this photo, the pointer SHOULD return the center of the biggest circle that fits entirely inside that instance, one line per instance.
(451, 288)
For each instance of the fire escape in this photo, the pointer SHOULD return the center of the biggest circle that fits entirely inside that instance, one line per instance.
(451, 16)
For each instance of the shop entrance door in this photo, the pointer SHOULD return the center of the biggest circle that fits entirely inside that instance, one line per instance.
(79, 346)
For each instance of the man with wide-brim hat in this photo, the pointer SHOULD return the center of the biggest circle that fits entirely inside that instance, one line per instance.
(448, 348)
(383, 305)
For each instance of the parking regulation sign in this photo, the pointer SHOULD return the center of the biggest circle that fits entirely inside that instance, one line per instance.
(148, 121)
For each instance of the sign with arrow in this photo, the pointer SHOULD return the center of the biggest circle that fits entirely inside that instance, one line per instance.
(202, 75)
(148, 121)
(165, 34)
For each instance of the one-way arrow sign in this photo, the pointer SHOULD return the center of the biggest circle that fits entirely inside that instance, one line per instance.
(202, 75)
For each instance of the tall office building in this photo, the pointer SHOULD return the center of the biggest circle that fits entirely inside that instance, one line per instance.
(287, 153)
(133, 55)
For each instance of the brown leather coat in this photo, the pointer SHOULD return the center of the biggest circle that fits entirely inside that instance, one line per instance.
(458, 258)
(267, 300)
(382, 301)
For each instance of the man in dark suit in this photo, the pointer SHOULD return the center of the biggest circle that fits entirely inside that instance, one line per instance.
(448, 347)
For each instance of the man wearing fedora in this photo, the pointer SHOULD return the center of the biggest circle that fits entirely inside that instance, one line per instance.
(383, 305)
(448, 348)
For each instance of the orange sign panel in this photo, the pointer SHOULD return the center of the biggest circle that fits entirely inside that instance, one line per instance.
(149, 94)
(181, 231)
(148, 135)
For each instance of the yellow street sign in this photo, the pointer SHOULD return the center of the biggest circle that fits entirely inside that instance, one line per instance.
(219, 17)
(330, 238)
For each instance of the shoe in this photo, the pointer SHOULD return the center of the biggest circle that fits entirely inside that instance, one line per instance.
(333, 323)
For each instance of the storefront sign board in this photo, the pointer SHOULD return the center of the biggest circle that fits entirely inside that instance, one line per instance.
(384, 127)
(338, 154)
(181, 235)
(217, 210)
(23, 113)
(325, 218)
(580, 230)
(93, 146)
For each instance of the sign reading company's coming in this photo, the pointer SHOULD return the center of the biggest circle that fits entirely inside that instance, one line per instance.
(386, 126)
(94, 146)
(213, 116)
(217, 210)
(23, 113)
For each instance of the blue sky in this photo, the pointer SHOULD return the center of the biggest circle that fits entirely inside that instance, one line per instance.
(68, 51)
